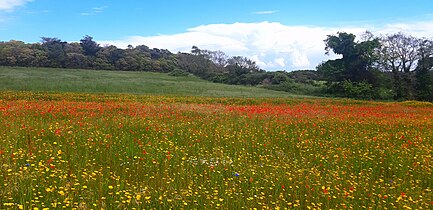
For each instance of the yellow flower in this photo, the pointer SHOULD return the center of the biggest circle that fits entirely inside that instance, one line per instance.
(110, 187)
(138, 197)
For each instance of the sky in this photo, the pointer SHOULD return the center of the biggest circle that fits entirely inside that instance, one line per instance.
(277, 34)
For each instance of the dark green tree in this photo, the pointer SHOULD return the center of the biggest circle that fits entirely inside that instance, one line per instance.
(89, 46)
(424, 72)
(56, 53)
(355, 66)
(357, 57)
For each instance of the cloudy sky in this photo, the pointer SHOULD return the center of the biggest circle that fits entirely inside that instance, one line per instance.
(277, 34)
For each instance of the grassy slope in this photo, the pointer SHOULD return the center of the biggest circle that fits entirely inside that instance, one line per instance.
(91, 81)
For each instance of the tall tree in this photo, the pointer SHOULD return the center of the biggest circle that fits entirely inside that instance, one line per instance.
(424, 71)
(55, 49)
(399, 54)
(358, 57)
(89, 46)
(356, 65)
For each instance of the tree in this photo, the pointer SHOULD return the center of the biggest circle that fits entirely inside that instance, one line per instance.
(243, 63)
(196, 64)
(219, 58)
(399, 54)
(342, 44)
(16, 53)
(40, 56)
(195, 50)
(356, 64)
(358, 57)
(55, 49)
(424, 72)
(89, 46)
(76, 61)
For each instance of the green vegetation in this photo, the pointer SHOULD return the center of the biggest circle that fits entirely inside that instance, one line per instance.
(92, 81)
(392, 67)
(396, 66)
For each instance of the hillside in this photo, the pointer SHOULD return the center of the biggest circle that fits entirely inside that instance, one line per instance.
(100, 81)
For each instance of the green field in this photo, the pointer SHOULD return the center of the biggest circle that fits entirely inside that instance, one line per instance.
(93, 81)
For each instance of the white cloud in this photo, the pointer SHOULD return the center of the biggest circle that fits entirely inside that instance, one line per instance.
(9, 5)
(280, 62)
(94, 11)
(267, 12)
(272, 45)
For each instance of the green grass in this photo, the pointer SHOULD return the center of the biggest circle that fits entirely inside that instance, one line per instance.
(92, 81)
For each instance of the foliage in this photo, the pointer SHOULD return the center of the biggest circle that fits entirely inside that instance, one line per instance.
(424, 78)
(179, 73)
(358, 57)
(362, 70)
(357, 89)
(352, 75)
(89, 46)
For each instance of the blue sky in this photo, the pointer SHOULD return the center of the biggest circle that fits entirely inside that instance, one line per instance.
(278, 34)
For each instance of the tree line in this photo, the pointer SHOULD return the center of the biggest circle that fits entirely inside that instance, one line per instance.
(214, 66)
(391, 67)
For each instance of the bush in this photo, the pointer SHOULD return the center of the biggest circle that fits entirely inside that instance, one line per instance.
(362, 90)
(179, 73)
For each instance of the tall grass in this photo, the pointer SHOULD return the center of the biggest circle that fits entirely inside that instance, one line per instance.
(92, 81)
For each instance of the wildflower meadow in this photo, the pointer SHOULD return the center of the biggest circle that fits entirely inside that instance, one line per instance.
(86, 151)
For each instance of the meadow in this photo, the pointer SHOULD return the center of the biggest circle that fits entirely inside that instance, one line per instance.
(129, 82)
(118, 151)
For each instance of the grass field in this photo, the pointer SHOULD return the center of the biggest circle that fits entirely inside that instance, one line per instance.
(84, 151)
(91, 81)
